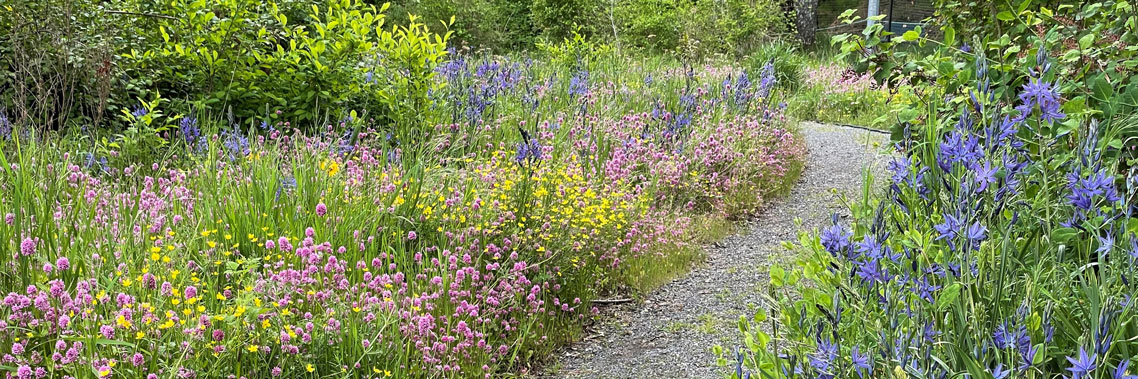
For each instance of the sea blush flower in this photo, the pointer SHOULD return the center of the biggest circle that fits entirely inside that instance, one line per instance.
(191, 292)
(28, 246)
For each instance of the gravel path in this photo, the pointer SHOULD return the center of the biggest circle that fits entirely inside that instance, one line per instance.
(670, 335)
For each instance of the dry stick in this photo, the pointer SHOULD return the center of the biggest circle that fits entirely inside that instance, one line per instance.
(142, 14)
(612, 301)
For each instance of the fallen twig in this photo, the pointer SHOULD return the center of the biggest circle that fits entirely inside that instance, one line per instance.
(612, 301)
(142, 14)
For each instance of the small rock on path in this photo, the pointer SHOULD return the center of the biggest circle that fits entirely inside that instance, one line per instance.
(670, 335)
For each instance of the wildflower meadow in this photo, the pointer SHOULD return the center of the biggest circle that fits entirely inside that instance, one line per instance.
(477, 189)
(462, 236)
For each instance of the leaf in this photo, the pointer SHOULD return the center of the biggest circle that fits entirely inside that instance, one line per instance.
(760, 316)
(1076, 105)
(1023, 6)
(1102, 88)
(949, 35)
(1086, 41)
(778, 276)
(948, 296)
(1005, 16)
(104, 341)
(911, 35)
(1062, 235)
(763, 338)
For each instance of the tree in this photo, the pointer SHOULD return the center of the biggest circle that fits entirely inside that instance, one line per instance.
(807, 20)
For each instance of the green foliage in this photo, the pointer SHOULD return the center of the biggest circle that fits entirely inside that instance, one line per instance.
(733, 26)
(560, 19)
(788, 61)
(576, 51)
(875, 50)
(58, 73)
(1093, 52)
(403, 77)
(244, 54)
(493, 24)
(698, 29)
(143, 137)
(652, 25)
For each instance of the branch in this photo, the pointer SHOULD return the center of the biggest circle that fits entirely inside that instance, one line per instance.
(156, 15)
(611, 301)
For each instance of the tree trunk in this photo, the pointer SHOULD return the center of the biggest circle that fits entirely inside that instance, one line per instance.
(807, 20)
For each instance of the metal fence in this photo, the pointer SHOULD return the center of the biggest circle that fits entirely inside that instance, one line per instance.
(900, 15)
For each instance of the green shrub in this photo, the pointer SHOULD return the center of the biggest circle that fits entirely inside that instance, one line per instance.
(651, 25)
(560, 19)
(575, 52)
(498, 25)
(402, 78)
(243, 54)
(731, 27)
(60, 73)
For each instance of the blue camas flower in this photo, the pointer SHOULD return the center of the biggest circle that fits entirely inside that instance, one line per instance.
(1083, 365)
(235, 143)
(948, 229)
(900, 168)
(190, 131)
(139, 111)
(579, 83)
(1120, 371)
(860, 362)
(824, 358)
(999, 372)
(1041, 94)
(985, 175)
(835, 238)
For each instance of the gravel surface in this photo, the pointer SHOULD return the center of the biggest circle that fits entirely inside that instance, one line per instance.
(671, 333)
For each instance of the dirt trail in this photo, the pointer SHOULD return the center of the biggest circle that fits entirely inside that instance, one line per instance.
(670, 335)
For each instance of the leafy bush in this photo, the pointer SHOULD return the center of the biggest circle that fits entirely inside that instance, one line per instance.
(560, 19)
(575, 52)
(252, 57)
(57, 74)
(732, 27)
(652, 25)
(403, 77)
(499, 25)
